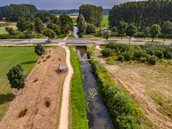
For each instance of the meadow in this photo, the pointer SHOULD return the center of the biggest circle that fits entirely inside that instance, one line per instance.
(9, 57)
(3, 25)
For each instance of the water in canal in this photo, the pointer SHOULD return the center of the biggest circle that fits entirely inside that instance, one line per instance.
(97, 115)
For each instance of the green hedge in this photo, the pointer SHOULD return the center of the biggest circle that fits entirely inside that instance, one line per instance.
(150, 53)
(123, 109)
(78, 100)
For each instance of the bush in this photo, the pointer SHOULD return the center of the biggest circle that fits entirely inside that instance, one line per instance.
(121, 58)
(39, 50)
(110, 60)
(107, 52)
(90, 29)
(152, 60)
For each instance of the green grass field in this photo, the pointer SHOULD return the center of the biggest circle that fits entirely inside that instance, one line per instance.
(105, 21)
(3, 25)
(9, 57)
(78, 100)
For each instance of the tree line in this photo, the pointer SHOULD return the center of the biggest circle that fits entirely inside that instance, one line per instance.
(41, 24)
(14, 11)
(144, 15)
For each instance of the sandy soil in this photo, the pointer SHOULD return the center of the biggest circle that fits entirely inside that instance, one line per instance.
(135, 84)
(38, 106)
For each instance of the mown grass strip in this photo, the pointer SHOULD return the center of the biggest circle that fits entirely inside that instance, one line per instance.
(78, 100)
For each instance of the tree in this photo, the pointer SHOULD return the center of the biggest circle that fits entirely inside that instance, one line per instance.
(131, 31)
(23, 24)
(56, 29)
(155, 31)
(39, 26)
(146, 32)
(16, 77)
(166, 29)
(92, 14)
(81, 24)
(122, 28)
(66, 23)
(90, 29)
(39, 50)
(10, 31)
(28, 34)
(106, 34)
(49, 33)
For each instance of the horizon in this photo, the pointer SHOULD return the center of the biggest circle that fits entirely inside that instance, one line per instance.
(61, 5)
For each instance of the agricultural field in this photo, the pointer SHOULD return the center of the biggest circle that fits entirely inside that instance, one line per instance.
(3, 25)
(105, 21)
(150, 85)
(9, 57)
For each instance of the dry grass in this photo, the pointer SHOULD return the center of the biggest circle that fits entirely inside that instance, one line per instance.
(149, 85)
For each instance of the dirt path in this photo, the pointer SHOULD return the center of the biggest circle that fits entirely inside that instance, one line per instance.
(38, 106)
(64, 114)
(129, 79)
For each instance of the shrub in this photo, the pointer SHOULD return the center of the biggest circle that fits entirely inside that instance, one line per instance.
(152, 60)
(90, 29)
(121, 58)
(16, 77)
(39, 50)
(110, 60)
(107, 52)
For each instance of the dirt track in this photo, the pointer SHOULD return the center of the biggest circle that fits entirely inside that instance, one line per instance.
(38, 106)
(129, 79)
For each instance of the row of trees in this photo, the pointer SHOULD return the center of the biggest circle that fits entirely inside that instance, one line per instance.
(141, 13)
(147, 16)
(13, 12)
(44, 24)
(153, 31)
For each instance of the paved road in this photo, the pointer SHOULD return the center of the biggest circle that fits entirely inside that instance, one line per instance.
(77, 41)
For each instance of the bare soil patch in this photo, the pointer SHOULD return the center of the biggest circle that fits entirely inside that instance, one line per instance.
(38, 107)
(150, 86)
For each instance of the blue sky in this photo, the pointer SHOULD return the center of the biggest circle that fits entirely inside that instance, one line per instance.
(63, 4)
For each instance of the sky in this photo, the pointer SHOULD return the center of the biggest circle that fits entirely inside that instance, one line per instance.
(63, 4)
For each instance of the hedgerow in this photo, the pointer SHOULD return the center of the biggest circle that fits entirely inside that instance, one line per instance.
(123, 109)
(150, 53)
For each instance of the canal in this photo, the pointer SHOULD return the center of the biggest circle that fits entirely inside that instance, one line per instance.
(97, 115)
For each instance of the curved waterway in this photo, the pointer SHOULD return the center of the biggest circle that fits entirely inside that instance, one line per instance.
(97, 114)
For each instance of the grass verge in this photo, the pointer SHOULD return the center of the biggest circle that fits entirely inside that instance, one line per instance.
(9, 57)
(78, 100)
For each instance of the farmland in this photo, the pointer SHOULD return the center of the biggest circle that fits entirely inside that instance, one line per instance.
(3, 25)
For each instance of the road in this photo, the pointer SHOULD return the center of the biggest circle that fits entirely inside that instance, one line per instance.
(70, 41)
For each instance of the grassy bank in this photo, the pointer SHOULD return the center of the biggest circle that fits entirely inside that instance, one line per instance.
(78, 100)
(9, 57)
